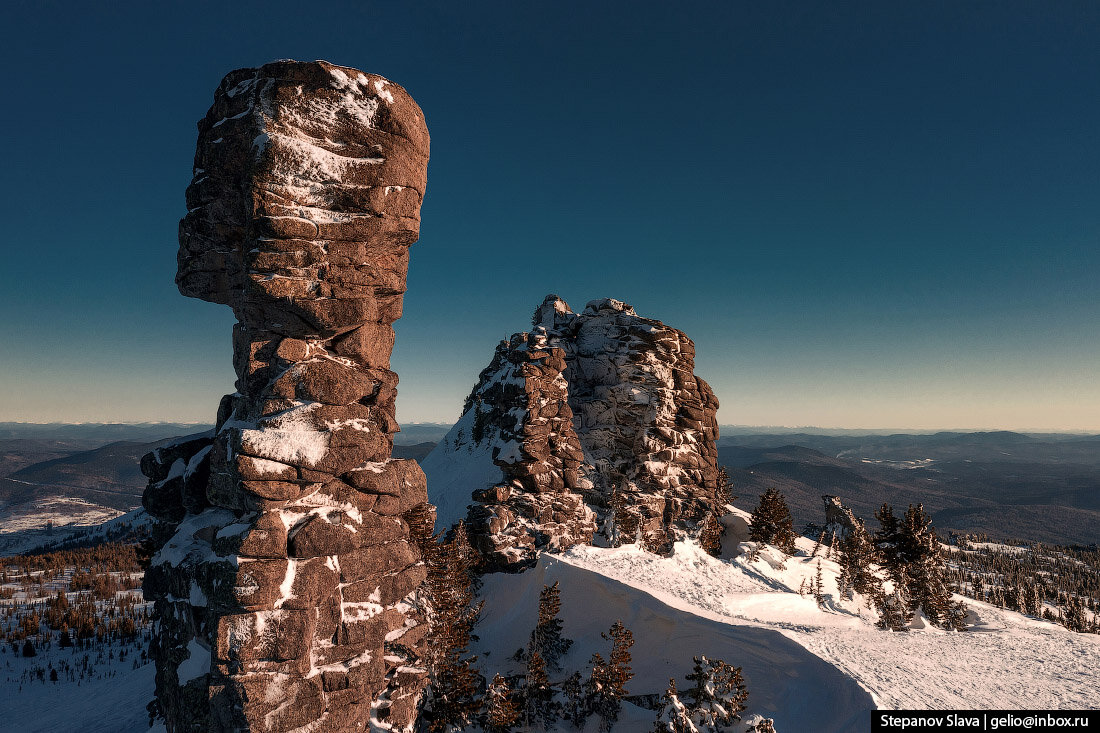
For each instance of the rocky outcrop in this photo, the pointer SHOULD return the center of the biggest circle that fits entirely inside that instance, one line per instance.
(839, 520)
(589, 420)
(285, 584)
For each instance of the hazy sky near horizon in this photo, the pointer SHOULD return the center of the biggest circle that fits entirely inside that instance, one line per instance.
(884, 214)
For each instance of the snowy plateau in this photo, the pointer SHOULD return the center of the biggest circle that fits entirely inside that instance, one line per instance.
(810, 669)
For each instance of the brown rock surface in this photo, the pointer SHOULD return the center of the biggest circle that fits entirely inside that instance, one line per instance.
(590, 419)
(285, 563)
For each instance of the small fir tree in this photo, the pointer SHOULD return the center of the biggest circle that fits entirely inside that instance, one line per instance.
(538, 695)
(817, 589)
(606, 686)
(672, 715)
(501, 711)
(547, 639)
(710, 535)
(856, 555)
(716, 696)
(447, 597)
(724, 494)
(575, 705)
(771, 522)
(1074, 617)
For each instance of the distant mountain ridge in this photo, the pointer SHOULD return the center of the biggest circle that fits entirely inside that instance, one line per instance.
(1007, 485)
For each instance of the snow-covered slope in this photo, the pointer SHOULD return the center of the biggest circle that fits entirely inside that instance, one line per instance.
(786, 681)
(808, 668)
(113, 526)
(1005, 661)
(112, 702)
(456, 467)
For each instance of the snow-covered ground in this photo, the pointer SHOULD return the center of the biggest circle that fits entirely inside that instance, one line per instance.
(785, 681)
(75, 523)
(102, 688)
(113, 701)
(809, 668)
(1005, 661)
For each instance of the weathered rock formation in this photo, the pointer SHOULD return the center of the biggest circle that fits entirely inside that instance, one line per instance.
(589, 420)
(839, 520)
(285, 587)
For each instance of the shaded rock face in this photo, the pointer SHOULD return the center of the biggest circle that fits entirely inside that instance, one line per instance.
(285, 583)
(593, 420)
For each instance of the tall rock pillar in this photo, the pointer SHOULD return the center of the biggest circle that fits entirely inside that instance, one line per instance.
(285, 583)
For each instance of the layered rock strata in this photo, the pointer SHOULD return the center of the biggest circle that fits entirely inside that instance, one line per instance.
(285, 584)
(591, 420)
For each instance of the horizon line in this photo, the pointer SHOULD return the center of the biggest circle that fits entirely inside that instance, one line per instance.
(739, 426)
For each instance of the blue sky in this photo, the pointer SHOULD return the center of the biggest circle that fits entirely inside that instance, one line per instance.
(877, 216)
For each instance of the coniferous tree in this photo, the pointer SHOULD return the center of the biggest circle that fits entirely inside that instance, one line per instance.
(710, 535)
(468, 559)
(887, 544)
(893, 610)
(501, 711)
(575, 706)
(724, 494)
(1074, 617)
(672, 715)
(451, 700)
(538, 695)
(619, 662)
(716, 696)
(771, 522)
(621, 526)
(914, 561)
(925, 566)
(856, 555)
(817, 589)
(1033, 600)
(547, 638)
(606, 686)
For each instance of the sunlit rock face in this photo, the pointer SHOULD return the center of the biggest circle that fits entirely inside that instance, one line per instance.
(598, 429)
(285, 581)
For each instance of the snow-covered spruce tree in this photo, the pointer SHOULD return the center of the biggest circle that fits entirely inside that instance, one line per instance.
(888, 544)
(547, 639)
(926, 568)
(538, 696)
(1074, 617)
(716, 695)
(724, 494)
(574, 707)
(856, 554)
(501, 710)
(710, 535)
(771, 522)
(451, 699)
(817, 588)
(915, 563)
(672, 715)
(606, 686)
(893, 609)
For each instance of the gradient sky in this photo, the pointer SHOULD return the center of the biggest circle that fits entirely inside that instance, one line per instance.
(878, 216)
